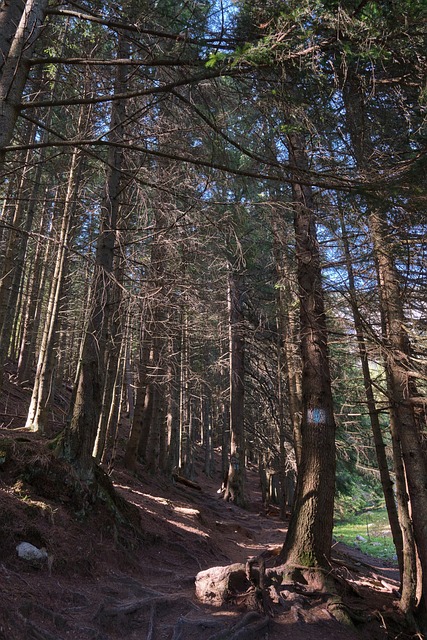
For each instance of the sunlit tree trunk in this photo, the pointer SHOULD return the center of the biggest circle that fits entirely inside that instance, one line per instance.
(108, 434)
(42, 390)
(172, 409)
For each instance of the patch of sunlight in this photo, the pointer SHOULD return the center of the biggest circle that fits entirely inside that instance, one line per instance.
(369, 532)
(187, 511)
(246, 545)
(187, 528)
(155, 498)
(144, 495)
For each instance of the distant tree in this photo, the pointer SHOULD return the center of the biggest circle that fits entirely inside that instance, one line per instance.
(235, 487)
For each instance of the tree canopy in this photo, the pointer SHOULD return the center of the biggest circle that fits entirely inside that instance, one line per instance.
(213, 230)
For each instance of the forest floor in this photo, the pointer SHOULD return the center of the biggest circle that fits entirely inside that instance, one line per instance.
(104, 581)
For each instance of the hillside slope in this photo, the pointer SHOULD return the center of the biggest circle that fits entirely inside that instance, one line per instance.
(105, 580)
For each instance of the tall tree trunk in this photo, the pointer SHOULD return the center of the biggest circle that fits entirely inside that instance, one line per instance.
(139, 421)
(409, 569)
(108, 435)
(79, 436)
(206, 424)
(401, 386)
(309, 537)
(386, 482)
(14, 72)
(157, 422)
(184, 400)
(12, 262)
(172, 409)
(112, 362)
(36, 295)
(10, 16)
(397, 347)
(235, 489)
(288, 331)
(42, 389)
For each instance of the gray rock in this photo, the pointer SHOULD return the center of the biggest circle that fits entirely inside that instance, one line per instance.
(215, 585)
(30, 553)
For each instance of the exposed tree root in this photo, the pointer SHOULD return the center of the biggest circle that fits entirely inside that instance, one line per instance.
(29, 608)
(179, 632)
(249, 627)
(262, 590)
(151, 624)
(34, 632)
(117, 613)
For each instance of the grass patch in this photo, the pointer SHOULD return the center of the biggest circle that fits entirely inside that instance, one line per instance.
(368, 531)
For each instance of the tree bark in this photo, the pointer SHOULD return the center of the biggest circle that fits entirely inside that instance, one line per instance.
(396, 348)
(235, 489)
(139, 421)
(10, 16)
(386, 482)
(41, 394)
(401, 386)
(79, 436)
(14, 72)
(309, 537)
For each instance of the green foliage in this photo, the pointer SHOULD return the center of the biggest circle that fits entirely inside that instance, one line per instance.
(355, 490)
(373, 527)
(216, 58)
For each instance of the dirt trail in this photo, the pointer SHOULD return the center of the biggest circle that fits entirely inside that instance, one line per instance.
(91, 589)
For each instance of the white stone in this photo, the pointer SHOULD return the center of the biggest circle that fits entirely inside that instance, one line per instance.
(213, 585)
(29, 552)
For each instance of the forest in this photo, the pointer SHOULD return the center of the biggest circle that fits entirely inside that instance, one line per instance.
(213, 260)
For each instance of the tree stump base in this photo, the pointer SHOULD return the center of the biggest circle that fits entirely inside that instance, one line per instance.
(262, 590)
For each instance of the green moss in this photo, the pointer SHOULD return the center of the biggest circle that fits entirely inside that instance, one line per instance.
(307, 559)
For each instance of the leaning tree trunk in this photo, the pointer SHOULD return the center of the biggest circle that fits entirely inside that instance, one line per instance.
(10, 16)
(14, 72)
(398, 515)
(309, 537)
